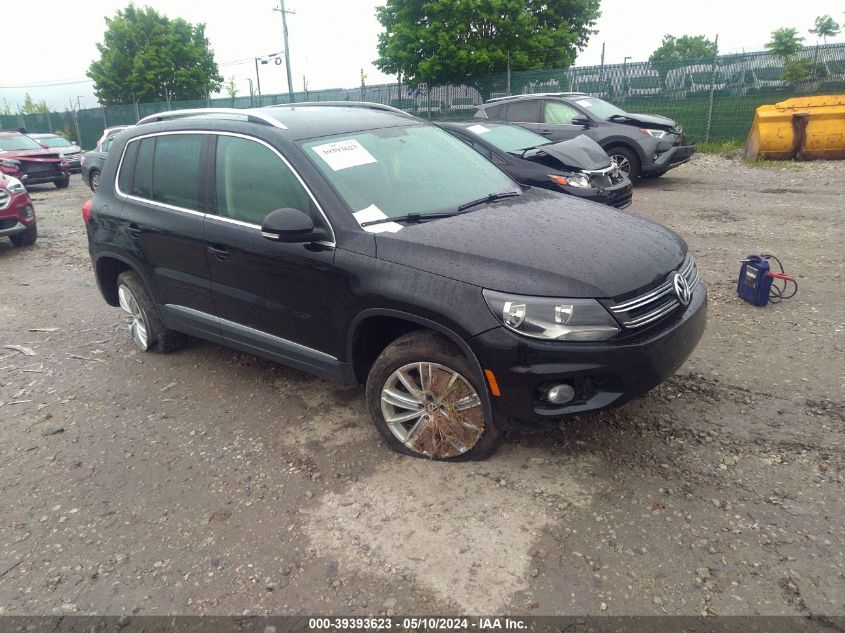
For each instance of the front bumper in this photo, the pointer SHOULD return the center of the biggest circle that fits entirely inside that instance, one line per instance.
(673, 157)
(604, 374)
(618, 195)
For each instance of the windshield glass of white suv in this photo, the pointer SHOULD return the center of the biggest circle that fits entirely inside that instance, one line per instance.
(508, 138)
(404, 170)
(598, 107)
(14, 143)
(54, 141)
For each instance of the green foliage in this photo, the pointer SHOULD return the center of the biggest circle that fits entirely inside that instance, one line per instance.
(785, 42)
(727, 148)
(826, 27)
(231, 88)
(459, 41)
(147, 57)
(685, 47)
(5, 107)
(30, 106)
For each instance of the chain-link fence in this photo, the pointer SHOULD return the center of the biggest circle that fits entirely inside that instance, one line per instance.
(713, 98)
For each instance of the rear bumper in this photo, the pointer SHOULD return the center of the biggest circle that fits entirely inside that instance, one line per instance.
(603, 374)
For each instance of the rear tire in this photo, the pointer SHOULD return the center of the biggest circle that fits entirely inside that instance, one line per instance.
(653, 176)
(25, 238)
(94, 180)
(62, 183)
(627, 159)
(148, 331)
(427, 400)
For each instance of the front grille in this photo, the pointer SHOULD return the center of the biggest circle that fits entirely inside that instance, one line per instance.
(38, 169)
(4, 199)
(8, 223)
(656, 303)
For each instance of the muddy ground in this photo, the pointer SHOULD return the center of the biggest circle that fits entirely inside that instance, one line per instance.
(210, 481)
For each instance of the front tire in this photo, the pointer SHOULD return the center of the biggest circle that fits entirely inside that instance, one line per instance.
(148, 331)
(25, 238)
(62, 183)
(427, 400)
(627, 160)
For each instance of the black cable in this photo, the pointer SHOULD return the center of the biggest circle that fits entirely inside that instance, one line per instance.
(776, 293)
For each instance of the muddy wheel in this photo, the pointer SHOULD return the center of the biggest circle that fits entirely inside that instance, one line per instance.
(148, 332)
(427, 401)
(25, 238)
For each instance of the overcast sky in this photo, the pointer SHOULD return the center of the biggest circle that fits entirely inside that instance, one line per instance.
(332, 40)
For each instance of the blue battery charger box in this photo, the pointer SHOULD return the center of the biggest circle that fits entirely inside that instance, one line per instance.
(754, 283)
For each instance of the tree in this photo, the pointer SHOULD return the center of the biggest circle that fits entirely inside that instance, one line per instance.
(785, 43)
(30, 106)
(231, 88)
(148, 57)
(826, 27)
(685, 47)
(5, 107)
(458, 41)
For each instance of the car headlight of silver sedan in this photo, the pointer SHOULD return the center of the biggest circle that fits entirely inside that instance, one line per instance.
(552, 319)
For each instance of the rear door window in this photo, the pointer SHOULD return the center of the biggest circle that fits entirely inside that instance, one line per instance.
(176, 170)
(524, 111)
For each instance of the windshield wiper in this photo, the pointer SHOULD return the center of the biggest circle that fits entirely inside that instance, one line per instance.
(493, 197)
(411, 217)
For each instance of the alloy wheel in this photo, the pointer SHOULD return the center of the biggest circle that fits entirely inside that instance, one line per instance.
(138, 324)
(95, 181)
(432, 409)
(622, 163)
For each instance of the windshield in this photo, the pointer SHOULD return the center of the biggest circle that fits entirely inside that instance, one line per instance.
(508, 138)
(600, 108)
(405, 170)
(54, 141)
(13, 143)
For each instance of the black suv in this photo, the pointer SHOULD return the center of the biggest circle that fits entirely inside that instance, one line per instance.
(367, 246)
(641, 144)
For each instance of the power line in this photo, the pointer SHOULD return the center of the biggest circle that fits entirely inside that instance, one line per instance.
(47, 84)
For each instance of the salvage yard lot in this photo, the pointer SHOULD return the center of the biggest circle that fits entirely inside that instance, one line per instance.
(210, 481)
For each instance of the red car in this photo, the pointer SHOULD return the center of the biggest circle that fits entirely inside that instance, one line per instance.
(17, 215)
(28, 161)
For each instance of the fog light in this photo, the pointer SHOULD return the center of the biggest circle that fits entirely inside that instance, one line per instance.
(26, 212)
(560, 394)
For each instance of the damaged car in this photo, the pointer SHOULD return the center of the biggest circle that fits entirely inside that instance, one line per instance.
(17, 215)
(643, 145)
(578, 167)
(27, 160)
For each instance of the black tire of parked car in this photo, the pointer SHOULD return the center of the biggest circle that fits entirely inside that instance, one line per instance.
(626, 155)
(426, 346)
(94, 179)
(654, 176)
(163, 341)
(62, 183)
(25, 238)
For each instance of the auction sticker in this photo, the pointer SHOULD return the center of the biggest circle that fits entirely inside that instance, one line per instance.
(478, 129)
(344, 154)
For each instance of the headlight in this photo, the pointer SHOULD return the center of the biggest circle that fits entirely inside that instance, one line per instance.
(573, 180)
(553, 319)
(10, 163)
(654, 133)
(14, 185)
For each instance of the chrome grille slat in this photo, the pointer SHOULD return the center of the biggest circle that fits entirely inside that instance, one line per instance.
(4, 199)
(652, 306)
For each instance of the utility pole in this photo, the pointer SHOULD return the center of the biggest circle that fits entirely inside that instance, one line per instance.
(601, 72)
(284, 13)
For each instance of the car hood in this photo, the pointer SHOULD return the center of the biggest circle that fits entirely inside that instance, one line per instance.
(540, 243)
(581, 152)
(28, 154)
(648, 119)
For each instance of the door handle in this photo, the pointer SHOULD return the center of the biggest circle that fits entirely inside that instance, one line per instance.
(546, 132)
(133, 231)
(219, 252)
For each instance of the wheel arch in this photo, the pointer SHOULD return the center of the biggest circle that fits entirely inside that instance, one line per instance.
(108, 267)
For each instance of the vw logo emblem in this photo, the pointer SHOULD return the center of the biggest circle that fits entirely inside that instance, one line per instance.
(682, 289)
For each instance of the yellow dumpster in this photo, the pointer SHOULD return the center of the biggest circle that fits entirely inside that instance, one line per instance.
(805, 128)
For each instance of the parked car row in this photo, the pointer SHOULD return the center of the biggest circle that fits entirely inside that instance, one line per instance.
(364, 245)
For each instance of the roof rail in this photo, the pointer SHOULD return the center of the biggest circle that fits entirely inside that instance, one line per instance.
(251, 115)
(539, 94)
(349, 104)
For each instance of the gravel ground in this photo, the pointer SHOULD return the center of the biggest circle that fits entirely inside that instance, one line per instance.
(213, 482)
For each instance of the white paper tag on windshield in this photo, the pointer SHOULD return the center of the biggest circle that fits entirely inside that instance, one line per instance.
(343, 154)
(478, 129)
(372, 213)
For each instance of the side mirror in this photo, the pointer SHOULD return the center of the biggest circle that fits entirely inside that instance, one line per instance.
(582, 120)
(44, 146)
(291, 226)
